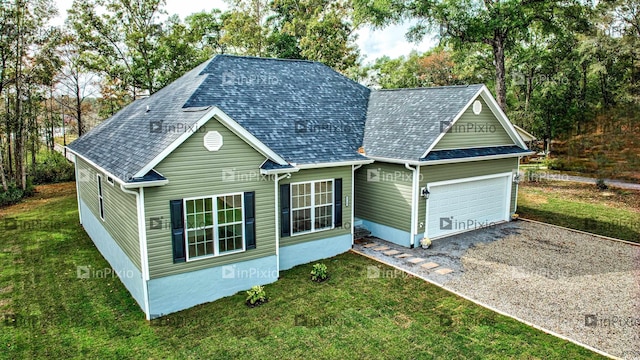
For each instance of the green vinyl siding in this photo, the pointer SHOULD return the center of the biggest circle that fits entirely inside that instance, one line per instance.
(193, 171)
(329, 173)
(473, 130)
(433, 173)
(120, 209)
(386, 201)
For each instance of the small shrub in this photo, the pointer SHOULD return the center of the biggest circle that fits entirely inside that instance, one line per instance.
(256, 296)
(14, 194)
(53, 168)
(319, 273)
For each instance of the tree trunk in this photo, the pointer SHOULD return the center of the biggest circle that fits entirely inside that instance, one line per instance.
(498, 55)
(79, 110)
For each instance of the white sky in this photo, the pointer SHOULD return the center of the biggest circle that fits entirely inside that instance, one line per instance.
(373, 43)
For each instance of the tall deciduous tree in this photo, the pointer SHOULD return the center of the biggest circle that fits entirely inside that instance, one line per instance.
(498, 25)
(120, 39)
(320, 30)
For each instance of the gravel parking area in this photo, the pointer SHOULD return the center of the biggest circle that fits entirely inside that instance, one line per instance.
(578, 285)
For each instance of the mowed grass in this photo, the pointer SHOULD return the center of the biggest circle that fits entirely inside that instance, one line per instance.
(50, 313)
(613, 212)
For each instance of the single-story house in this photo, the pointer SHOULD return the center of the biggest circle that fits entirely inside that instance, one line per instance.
(247, 166)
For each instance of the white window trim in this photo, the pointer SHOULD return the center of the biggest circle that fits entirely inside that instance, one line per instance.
(100, 187)
(313, 207)
(216, 251)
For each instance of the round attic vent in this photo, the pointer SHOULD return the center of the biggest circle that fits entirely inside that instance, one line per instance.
(213, 141)
(477, 107)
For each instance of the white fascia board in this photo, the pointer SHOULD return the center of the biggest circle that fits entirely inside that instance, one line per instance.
(334, 164)
(227, 122)
(395, 161)
(455, 119)
(279, 171)
(144, 184)
(476, 158)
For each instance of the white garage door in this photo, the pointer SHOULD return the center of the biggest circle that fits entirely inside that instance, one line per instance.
(467, 204)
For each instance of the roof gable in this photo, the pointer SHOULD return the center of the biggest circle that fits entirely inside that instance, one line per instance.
(403, 123)
(474, 130)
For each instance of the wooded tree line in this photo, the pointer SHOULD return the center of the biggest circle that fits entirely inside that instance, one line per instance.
(555, 66)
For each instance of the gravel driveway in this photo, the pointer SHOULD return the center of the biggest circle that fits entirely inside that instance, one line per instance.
(581, 286)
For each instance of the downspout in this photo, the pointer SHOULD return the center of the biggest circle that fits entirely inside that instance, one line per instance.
(142, 233)
(414, 205)
(277, 225)
(75, 169)
(517, 185)
(353, 199)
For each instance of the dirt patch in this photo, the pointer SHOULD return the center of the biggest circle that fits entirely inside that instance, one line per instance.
(42, 195)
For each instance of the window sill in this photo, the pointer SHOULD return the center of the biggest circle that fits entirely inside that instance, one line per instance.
(212, 256)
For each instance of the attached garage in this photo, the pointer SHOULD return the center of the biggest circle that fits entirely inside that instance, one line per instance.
(445, 162)
(460, 205)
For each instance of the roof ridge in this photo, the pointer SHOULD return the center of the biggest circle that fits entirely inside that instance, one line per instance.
(267, 58)
(431, 87)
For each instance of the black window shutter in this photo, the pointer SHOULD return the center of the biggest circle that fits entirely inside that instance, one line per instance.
(285, 217)
(250, 219)
(337, 205)
(177, 231)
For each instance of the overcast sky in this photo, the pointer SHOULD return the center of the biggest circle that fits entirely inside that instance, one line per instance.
(373, 44)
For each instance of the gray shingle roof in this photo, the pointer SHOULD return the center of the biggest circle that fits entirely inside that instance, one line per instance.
(132, 138)
(304, 111)
(403, 123)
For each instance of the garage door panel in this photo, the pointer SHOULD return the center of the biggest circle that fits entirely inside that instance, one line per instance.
(466, 205)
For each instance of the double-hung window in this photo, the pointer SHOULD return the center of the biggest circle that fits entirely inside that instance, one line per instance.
(311, 206)
(100, 197)
(214, 225)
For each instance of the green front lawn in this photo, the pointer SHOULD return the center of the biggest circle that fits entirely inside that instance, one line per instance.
(614, 212)
(352, 315)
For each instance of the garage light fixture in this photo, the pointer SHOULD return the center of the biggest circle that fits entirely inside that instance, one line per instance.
(424, 192)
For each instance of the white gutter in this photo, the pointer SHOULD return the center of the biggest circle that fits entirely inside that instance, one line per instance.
(279, 171)
(142, 235)
(333, 164)
(414, 201)
(277, 195)
(395, 161)
(353, 199)
(476, 158)
(144, 184)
